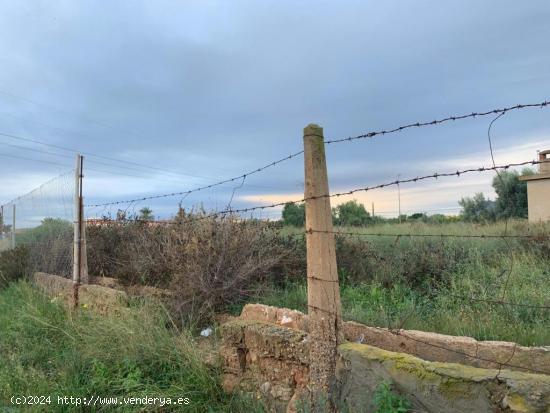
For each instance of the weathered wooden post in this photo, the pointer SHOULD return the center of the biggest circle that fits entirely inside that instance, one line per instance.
(324, 307)
(80, 270)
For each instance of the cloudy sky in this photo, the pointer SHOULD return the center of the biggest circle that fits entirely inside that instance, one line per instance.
(165, 96)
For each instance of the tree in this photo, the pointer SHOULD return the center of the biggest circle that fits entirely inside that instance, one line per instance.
(146, 214)
(418, 216)
(477, 208)
(350, 213)
(511, 194)
(294, 214)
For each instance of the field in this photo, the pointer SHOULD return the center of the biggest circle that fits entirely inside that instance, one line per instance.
(427, 283)
(487, 288)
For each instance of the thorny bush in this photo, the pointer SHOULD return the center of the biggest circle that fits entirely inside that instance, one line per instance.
(206, 263)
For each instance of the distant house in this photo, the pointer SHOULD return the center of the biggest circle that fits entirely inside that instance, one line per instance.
(538, 190)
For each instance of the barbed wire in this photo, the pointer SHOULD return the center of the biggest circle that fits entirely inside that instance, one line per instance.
(411, 235)
(538, 237)
(439, 121)
(400, 333)
(499, 363)
(327, 142)
(200, 188)
(499, 302)
(362, 189)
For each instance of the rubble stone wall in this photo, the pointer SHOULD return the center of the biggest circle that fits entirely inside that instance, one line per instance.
(96, 297)
(427, 346)
(265, 352)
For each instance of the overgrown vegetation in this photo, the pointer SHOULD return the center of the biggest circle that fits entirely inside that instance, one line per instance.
(47, 351)
(206, 263)
(14, 265)
(214, 265)
(417, 283)
(217, 265)
(427, 283)
(389, 402)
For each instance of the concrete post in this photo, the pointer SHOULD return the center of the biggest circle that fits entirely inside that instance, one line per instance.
(324, 307)
(80, 268)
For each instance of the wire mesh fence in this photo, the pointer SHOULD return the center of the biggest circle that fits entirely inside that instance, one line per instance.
(41, 221)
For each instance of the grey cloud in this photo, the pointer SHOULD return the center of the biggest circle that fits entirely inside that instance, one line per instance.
(217, 88)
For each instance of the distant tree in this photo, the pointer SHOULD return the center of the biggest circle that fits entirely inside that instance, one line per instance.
(443, 219)
(146, 214)
(351, 213)
(511, 199)
(294, 214)
(418, 216)
(477, 208)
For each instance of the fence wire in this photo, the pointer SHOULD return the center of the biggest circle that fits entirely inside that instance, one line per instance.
(43, 225)
(436, 175)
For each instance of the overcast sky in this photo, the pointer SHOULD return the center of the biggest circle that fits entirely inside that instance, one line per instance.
(210, 90)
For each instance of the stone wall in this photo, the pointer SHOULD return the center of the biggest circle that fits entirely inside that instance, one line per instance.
(427, 346)
(265, 352)
(265, 359)
(436, 387)
(96, 297)
(102, 294)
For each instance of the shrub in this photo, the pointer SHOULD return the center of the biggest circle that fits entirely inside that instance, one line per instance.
(207, 263)
(223, 262)
(14, 265)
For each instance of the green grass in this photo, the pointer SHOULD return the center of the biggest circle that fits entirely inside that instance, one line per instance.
(425, 283)
(47, 351)
(444, 311)
(513, 226)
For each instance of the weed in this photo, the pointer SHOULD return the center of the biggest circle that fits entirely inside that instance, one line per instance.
(387, 401)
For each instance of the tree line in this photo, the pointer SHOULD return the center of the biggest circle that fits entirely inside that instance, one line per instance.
(510, 202)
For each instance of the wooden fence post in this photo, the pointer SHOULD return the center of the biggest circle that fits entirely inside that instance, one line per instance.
(324, 306)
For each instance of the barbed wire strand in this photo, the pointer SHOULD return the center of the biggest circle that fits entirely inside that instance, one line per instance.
(400, 333)
(404, 235)
(362, 189)
(328, 142)
(200, 188)
(439, 121)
